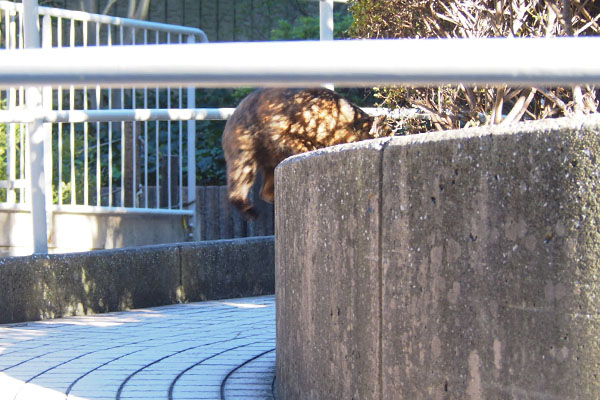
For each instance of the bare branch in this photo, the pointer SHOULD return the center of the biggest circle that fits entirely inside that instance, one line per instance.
(554, 99)
(131, 9)
(551, 24)
(519, 108)
(567, 18)
(498, 104)
(108, 6)
(142, 9)
(590, 23)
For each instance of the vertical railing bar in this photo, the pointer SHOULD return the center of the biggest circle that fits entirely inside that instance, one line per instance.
(47, 129)
(110, 159)
(72, 125)
(23, 143)
(326, 25)
(20, 36)
(98, 158)
(133, 141)
(59, 96)
(180, 138)
(11, 94)
(11, 140)
(145, 136)
(36, 133)
(7, 35)
(169, 140)
(122, 133)
(23, 137)
(180, 152)
(85, 129)
(12, 99)
(4, 94)
(11, 162)
(191, 151)
(157, 144)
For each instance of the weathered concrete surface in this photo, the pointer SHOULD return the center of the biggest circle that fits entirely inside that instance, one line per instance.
(77, 284)
(328, 310)
(215, 218)
(72, 232)
(223, 268)
(40, 287)
(487, 276)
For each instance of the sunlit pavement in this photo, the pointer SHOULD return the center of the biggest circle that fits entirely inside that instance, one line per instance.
(209, 350)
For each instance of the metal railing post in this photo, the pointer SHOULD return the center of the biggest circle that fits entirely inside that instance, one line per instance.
(36, 195)
(47, 128)
(326, 25)
(191, 155)
(326, 19)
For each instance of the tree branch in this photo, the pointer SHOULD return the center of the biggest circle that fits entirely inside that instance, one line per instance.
(108, 6)
(519, 108)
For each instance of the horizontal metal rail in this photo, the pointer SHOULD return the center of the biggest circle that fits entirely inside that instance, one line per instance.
(156, 114)
(128, 115)
(515, 61)
(83, 209)
(109, 20)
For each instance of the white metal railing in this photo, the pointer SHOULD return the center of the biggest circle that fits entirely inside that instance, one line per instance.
(89, 139)
(63, 28)
(517, 61)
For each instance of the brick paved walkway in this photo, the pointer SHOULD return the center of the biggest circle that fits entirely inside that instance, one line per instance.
(209, 350)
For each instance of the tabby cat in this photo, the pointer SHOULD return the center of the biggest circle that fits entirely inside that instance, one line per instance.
(270, 125)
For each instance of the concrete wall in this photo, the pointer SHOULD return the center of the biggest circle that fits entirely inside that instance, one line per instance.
(83, 232)
(72, 232)
(40, 287)
(461, 265)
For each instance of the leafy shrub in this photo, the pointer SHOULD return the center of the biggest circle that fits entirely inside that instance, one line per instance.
(307, 27)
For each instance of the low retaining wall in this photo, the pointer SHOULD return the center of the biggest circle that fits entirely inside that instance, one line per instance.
(39, 287)
(216, 219)
(458, 265)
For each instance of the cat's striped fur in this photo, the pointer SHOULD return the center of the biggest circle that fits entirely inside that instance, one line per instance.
(270, 125)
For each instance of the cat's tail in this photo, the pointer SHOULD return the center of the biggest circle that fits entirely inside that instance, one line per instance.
(241, 174)
(246, 208)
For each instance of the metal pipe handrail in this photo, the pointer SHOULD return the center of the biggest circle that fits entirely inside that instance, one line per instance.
(107, 19)
(152, 114)
(116, 115)
(86, 209)
(515, 61)
(125, 22)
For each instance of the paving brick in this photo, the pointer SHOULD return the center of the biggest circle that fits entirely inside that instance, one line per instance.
(192, 349)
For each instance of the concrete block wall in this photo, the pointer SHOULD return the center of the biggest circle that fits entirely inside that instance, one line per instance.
(459, 265)
(42, 287)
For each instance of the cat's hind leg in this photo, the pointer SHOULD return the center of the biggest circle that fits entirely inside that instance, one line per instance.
(267, 192)
(240, 178)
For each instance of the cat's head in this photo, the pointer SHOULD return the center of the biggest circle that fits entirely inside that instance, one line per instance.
(380, 128)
